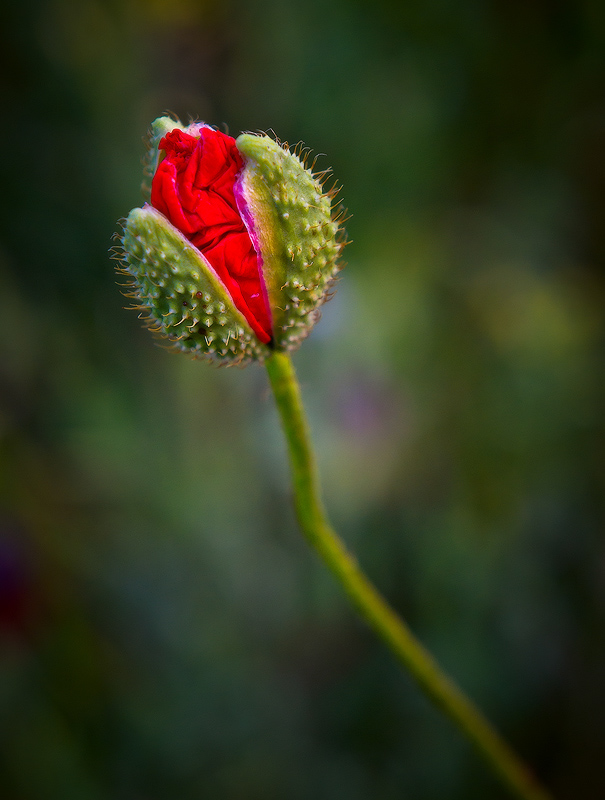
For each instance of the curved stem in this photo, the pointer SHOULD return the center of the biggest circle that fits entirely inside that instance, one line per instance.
(380, 616)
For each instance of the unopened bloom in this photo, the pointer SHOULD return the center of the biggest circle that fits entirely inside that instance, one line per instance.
(237, 248)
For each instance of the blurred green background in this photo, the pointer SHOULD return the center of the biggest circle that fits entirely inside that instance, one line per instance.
(164, 632)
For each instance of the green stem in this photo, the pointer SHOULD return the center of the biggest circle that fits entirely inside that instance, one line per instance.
(381, 617)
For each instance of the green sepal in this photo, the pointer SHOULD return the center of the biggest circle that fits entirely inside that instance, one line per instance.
(297, 236)
(180, 295)
(158, 129)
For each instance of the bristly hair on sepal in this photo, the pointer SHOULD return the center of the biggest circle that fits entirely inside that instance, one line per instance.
(299, 237)
(179, 296)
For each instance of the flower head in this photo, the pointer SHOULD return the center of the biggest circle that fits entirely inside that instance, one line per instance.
(237, 248)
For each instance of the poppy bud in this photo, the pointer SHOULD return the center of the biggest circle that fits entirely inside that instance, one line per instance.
(236, 249)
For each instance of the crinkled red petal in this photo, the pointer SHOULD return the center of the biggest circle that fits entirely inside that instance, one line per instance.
(193, 187)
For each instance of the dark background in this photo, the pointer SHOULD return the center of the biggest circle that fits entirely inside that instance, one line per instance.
(164, 632)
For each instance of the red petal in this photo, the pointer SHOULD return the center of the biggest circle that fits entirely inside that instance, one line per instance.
(194, 188)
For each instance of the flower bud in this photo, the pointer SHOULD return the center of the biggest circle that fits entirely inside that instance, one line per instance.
(237, 248)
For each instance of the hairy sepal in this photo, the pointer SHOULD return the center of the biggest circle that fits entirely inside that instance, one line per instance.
(295, 233)
(180, 295)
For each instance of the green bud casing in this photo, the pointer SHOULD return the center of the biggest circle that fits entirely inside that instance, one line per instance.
(296, 241)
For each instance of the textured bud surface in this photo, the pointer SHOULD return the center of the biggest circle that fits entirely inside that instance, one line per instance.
(297, 236)
(181, 295)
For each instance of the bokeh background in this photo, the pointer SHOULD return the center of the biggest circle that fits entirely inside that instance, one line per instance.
(164, 632)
